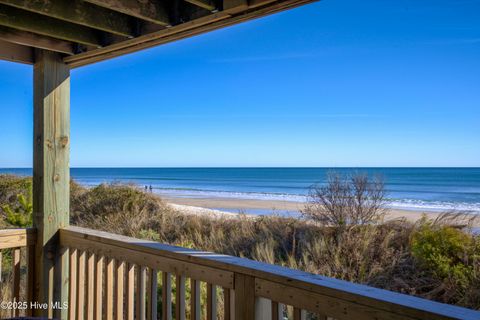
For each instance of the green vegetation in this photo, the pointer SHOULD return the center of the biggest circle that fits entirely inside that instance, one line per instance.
(437, 260)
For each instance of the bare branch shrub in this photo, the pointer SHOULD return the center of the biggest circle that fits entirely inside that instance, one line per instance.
(346, 201)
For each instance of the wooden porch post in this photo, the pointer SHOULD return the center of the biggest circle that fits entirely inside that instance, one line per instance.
(51, 177)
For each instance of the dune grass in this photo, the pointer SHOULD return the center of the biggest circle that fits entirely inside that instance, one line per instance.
(438, 260)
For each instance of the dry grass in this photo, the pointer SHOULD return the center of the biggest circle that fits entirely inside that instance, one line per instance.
(378, 255)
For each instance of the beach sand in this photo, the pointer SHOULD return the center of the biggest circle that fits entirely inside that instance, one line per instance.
(225, 207)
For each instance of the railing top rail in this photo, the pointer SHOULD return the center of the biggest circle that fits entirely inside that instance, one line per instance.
(364, 296)
(14, 238)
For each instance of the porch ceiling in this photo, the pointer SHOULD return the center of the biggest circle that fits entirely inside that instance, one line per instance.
(88, 31)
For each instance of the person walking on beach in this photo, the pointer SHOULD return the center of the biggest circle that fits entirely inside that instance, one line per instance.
(150, 188)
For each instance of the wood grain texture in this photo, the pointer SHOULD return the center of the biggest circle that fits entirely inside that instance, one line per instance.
(211, 302)
(344, 294)
(180, 298)
(81, 285)
(31, 22)
(152, 294)
(130, 303)
(99, 286)
(166, 296)
(140, 299)
(244, 297)
(51, 173)
(16, 278)
(150, 10)
(16, 53)
(120, 286)
(150, 257)
(195, 300)
(91, 286)
(34, 40)
(17, 238)
(73, 280)
(110, 296)
(78, 12)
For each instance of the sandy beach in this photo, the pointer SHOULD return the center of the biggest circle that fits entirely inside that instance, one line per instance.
(230, 207)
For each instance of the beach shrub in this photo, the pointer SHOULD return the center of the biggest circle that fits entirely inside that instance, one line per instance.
(449, 252)
(346, 201)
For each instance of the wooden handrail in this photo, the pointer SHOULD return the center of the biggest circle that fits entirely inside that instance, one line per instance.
(16, 238)
(321, 295)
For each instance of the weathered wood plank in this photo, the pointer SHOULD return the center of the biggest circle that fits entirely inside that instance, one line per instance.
(180, 298)
(346, 294)
(263, 308)
(244, 297)
(120, 289)
(73, 279)
(16, 53)
(81, 285)
(227, 304)
(91, 286)
(16, 279)
(30, 276)
(34, 40)
(277, 311)
(109, 310)
(130, 292)
(79, 12)
(299, 314)
(195, 302)
(211, 302)
(141, 279)
(150, 10)
(17, 238)
(153, 259)
(31, 22)
(205, 4)
(152, 294)
(99, 286)
(184, 30)
(166, 296)
(51, 173)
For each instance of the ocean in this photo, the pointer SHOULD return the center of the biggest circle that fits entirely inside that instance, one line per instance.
(429, 189)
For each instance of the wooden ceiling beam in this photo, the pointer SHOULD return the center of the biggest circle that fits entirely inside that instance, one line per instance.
(149, 10)
(31, 22)
(33, 40)
(16, 53)
(79, 12)
(205, 4)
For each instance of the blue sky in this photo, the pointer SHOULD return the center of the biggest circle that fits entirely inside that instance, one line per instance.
(334, 83)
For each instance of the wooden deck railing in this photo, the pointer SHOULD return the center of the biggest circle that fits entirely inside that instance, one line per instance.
(116, 277)
(15, 244)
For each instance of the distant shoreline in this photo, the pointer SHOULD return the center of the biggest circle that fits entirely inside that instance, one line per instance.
(233, 206)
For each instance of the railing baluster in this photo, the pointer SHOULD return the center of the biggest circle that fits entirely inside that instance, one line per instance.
(130, 291)
(91, 286)
(141, 275)
(166, 296)
(30, 276)
(110, 294)
(16, 279)
(180, 298)
(211, 302)
(277, 311)
(195, 304)
(72, 305)
(99, 287)
(120, 289)
(227, 304)
(81, 286)
(299, 314)
(152, 295)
